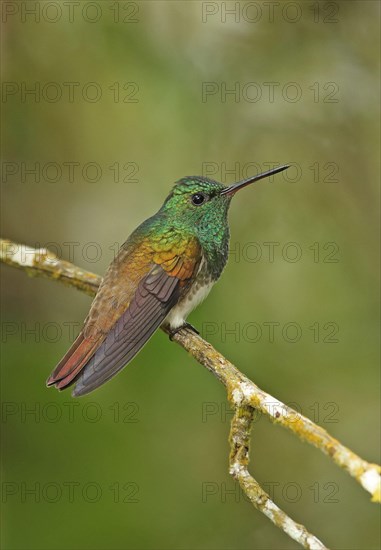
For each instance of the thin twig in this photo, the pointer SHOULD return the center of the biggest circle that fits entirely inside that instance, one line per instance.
(242, 391)
(243, 394)
(239, 460)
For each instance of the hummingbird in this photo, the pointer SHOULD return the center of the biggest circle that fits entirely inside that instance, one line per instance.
(166, 267)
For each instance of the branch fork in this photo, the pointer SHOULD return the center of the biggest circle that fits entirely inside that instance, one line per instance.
(243, 394)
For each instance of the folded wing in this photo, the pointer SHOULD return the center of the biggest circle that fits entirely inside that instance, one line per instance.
(129, 307)
(154, 298)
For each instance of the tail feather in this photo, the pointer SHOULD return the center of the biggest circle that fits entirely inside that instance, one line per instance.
(73, 362)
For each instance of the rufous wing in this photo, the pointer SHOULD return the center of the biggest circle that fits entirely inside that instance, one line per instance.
(139, 289)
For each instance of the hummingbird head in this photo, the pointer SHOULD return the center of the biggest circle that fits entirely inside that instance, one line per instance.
(202, 202)
(197, 201)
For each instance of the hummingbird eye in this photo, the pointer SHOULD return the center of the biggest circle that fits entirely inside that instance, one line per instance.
(198, 198)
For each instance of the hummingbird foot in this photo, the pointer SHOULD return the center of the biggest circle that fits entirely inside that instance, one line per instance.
(177, 329)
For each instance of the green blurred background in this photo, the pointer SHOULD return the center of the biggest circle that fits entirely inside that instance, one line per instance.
(142, 463)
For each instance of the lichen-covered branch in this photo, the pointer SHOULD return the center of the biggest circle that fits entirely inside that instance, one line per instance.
(42, 263)
(243, 394)
(242, 391)
(239, 461)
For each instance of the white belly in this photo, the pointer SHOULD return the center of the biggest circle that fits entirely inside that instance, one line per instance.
(177, 316)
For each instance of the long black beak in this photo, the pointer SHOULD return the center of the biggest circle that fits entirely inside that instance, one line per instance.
(241, 184)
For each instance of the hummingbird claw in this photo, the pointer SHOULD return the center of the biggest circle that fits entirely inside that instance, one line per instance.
(185, 325)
